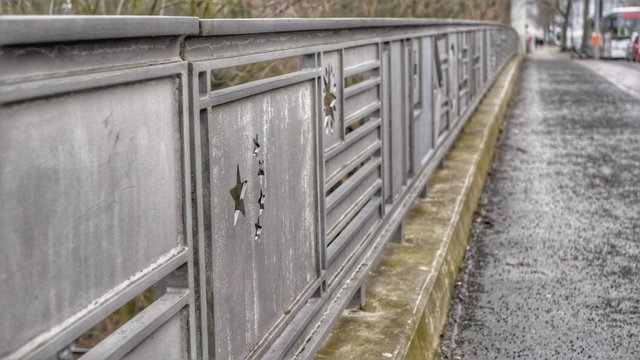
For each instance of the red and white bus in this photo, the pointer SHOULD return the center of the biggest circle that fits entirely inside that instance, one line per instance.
(618, 25)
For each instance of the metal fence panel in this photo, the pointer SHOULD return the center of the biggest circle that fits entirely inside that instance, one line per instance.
(93, 181)
(250, 174)
(264, 228)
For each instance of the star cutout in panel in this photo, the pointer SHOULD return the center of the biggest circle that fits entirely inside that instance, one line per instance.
(237, 193)
(256, 146)
(261, 200)
(260, 168)
(258, 230)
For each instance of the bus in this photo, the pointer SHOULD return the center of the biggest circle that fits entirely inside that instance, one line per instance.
(618, 25)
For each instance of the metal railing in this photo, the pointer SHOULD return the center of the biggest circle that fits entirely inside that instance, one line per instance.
(250, 171)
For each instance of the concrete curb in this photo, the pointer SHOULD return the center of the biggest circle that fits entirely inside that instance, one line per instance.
(409, 291)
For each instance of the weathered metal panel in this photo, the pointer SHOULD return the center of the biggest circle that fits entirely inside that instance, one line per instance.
(263, 212)
(89, 180)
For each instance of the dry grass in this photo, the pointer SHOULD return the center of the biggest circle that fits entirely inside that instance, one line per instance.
(497, 10)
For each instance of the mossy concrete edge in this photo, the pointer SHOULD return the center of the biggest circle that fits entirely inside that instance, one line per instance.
(409, 291)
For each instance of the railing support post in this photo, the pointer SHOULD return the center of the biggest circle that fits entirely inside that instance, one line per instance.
(357, 301)
(398, 235)
(424, 192)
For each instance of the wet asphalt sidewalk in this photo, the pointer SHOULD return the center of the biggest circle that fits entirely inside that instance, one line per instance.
(553, 267)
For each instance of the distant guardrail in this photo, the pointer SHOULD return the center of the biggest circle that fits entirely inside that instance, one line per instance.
(249, 171)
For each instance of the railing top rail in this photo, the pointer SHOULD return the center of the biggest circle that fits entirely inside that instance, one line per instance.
(42, 29)
(212, 27)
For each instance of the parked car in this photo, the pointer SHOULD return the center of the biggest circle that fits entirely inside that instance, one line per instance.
(633, 48)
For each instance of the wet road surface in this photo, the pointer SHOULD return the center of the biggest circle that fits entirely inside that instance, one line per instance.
(553, 266)
(625, 75)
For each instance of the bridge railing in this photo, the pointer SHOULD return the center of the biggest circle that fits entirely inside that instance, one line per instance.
(249, 171)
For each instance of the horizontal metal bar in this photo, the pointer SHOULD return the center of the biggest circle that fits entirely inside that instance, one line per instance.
(286, 340)
(360, 68)
(136, 330)
(219, 97)
(353, 136)
(70, 83)
(217, 27)
(343, 239)
(361, 87)
(333, 179)
(194, 46)
(346, 188)
(353, 211)
(365, 111)
(45, 29)
(226, 62)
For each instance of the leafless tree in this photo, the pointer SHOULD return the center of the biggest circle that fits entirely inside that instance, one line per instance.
(563, 7)
(586, 28)
(545, 16)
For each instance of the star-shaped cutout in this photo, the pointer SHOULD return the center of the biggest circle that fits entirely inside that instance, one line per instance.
(261, 200)
(329, 99)
(256, 146)
(237, 193)
(260, 167)
(258, 230)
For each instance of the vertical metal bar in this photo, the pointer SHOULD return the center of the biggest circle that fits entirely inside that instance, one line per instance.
(321, 232)
(427, 92)
(407, 116)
